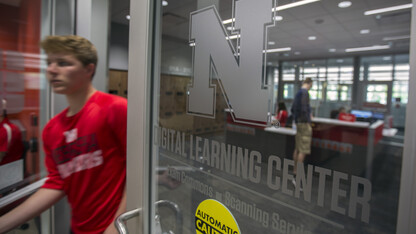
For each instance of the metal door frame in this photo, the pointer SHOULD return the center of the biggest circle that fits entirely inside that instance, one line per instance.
(138, 142)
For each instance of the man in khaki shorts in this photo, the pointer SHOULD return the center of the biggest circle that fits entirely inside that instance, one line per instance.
(301, 111)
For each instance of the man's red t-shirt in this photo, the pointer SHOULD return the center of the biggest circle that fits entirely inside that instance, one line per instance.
(10, 142)
(86, 158)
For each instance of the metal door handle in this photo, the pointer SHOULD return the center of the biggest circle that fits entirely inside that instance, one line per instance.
(120, 220)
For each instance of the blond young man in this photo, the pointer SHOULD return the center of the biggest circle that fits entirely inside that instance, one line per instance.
(85, 145)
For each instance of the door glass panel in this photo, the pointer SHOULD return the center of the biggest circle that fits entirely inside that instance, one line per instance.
(215, 143)
(22, 92)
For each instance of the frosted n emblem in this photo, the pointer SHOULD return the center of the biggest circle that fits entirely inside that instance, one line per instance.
(240, 70)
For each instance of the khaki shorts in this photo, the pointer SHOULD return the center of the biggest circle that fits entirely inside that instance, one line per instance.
(303, 137)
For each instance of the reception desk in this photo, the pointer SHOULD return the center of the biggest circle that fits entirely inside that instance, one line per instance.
(338, 145)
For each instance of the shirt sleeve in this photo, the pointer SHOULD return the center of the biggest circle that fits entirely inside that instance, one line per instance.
(117, 119)
(54, 179)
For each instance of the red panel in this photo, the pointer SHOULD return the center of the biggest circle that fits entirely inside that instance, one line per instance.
(344, 134)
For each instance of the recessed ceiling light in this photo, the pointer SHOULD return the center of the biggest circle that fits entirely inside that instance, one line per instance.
(388, 9)
(230, 28)
(164, 3)
(344, 4)
(311, 38)
(297, 53)
(128, 17)
(396, 38)
(280, 8)
(365, 31)
(278, 18)
(374, 47)
(271, 43)
(278, 50)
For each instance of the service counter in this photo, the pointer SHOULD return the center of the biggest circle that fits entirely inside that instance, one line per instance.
(338, 145)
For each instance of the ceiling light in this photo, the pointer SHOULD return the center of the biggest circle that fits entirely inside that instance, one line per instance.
(344, 4)
(295, 4)
(228, 21)
(311, 38)
(278, 50)
(394, 8)
(364, 31)
(164, 3)
(230, 28)
(375, 47)
(233, 37)
(279, 8)
(271, 43)
(128, 17)
(332, 50)
(278, 18)
(396, 38)
(297, 53)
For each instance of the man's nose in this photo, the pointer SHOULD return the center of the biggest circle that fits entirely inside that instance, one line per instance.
(51, 68)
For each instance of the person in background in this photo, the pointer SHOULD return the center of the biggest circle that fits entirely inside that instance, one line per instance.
(281, 114)
(345, 116)
(85, 145)
(301, 111)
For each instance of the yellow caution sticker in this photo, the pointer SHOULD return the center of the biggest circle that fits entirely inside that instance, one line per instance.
(212, 217)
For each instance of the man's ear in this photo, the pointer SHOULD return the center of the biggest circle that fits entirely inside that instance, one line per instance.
(90, 69)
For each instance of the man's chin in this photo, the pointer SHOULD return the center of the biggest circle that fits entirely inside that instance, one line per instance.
(59, 90)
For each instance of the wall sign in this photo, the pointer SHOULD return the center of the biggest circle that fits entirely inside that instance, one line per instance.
(239, 68)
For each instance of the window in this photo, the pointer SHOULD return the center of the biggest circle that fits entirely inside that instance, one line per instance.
(377, 93)
(288, 91)
(340, 79)
(400, 90)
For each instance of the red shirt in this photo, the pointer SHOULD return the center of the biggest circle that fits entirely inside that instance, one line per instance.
(282, 117)
(10, 142)
(346, 117)
(86, 158)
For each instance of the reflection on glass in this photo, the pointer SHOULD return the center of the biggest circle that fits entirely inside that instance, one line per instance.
(20, 92)
(346, 180)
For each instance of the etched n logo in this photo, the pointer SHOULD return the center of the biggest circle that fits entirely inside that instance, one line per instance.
(240, 70)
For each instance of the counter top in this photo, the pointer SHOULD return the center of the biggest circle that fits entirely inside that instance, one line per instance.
(356, 124)
(285, 131)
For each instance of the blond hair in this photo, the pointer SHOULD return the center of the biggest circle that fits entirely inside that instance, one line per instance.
(80, 47)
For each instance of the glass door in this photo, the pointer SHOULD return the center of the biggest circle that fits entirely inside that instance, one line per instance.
(213, 161)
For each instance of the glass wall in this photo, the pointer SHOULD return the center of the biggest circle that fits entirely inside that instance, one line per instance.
(221, 162)
(23, 97)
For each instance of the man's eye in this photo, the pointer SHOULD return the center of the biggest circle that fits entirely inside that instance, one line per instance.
(63, 63)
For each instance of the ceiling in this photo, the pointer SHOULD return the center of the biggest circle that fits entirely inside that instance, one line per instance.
(334, 27)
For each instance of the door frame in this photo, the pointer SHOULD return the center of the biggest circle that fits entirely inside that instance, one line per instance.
(138, 130)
